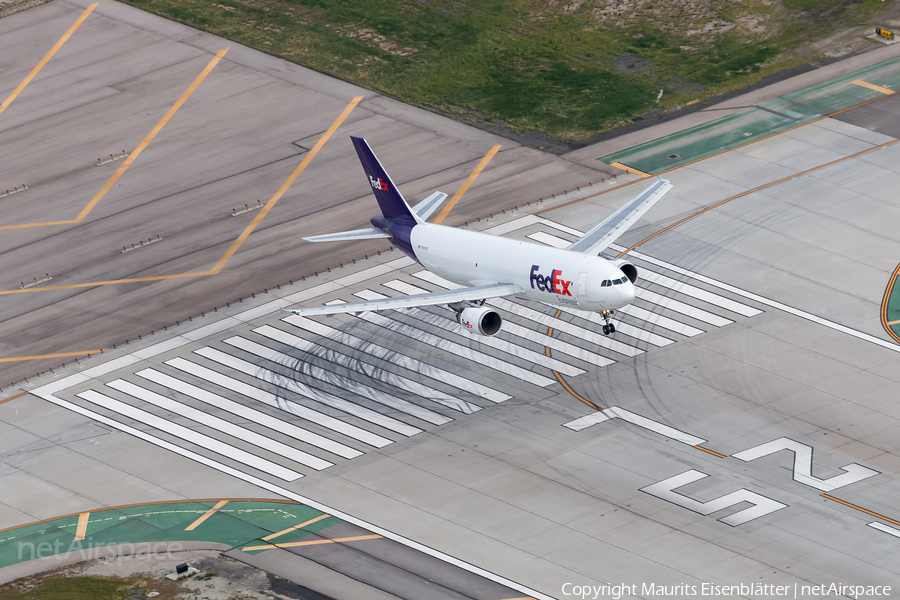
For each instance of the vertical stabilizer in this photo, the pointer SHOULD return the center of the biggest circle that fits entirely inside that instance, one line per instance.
(392, 204)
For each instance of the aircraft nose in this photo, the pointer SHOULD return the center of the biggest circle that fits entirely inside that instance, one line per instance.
(627, 293)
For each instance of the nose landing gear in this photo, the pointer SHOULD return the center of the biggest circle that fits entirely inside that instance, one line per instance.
(608, 327)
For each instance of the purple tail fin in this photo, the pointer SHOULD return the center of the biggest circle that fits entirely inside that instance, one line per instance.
(392, 204)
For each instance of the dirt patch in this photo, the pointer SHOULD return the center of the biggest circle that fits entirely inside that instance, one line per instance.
(15, 6)
(144, 578)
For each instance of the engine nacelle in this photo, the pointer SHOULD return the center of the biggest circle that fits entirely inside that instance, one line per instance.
(480, 320)
(626, 267)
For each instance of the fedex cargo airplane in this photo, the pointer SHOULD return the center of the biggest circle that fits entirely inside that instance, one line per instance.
(490, 266)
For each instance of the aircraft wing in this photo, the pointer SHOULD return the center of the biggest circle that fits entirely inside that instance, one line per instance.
(600, 237)
(430, 299)
(370, 233)
(429, 205)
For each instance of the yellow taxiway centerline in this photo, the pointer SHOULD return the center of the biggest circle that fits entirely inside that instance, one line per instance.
(287, 184)
(206, 515)
(40, 356)
(47, 57)
(465, 186)
(631, 170)
(295, 528)
(81, 532)
(312, 543)
(13, 397)
(874, 87)
(133, 156)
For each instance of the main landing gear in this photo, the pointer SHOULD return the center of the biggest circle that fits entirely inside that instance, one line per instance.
(608, 327)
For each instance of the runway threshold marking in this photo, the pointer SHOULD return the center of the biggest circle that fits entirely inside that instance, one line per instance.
(874, 87)
(81, 532)
(206, 515)
(295, 527)
(312, 543)
(230, 252)
(133, 156)
(287, 184)
(465, 186)
(861, 509)
(57, 355)
(48, 56)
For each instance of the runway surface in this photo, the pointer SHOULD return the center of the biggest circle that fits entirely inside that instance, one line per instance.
(749, 431)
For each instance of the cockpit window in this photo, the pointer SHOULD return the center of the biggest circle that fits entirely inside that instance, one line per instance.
(617, 282)
(624, 279)
(605, 283)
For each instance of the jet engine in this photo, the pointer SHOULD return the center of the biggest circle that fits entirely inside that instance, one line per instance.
(626, 267)
(479, 319)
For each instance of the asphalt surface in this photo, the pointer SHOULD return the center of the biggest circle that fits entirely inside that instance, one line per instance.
(750, 433)
(235, 140)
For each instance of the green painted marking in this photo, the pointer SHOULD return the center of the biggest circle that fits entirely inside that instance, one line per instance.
(238, 524)
(774, 116)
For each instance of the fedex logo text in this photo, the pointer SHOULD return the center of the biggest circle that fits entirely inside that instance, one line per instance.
(378, 184)
(552, 284)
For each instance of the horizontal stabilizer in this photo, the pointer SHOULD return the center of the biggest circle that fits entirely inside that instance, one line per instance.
(370, 233)
(426, 207)
(430, 299)
(600, 237)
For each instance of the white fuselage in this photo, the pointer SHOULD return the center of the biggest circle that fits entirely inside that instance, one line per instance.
(546, 274)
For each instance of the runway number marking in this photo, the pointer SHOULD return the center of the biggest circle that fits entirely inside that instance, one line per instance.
(665, 490)
(802, 471)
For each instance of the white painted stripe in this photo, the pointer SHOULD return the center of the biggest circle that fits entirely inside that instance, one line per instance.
(298, 410)
(304, 390)
(681, 307)
(194, 437)
(763, 300)
(226, 427)
(345, 383)
(396, 358)
(369, 370)
(481, 358)
(549, 240)
(547, 320)
(656, 319)
(635, 419)
(588, 420)
(502, 345)
(672, 304)
(285, 493)
(621, 327)
(517, 330)
(698, 293)
(513, 225)
(245, 412)
(561, 227)
(885, 528)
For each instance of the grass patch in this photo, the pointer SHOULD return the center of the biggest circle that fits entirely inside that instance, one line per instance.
(570, 70)
(75, 588)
